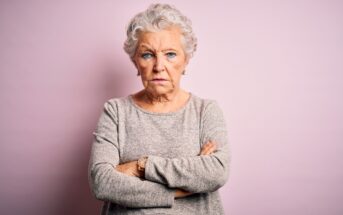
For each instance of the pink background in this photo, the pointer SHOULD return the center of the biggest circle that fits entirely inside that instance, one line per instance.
(275, 67)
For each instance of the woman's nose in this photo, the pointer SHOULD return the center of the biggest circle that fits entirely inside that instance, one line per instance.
(159, 64)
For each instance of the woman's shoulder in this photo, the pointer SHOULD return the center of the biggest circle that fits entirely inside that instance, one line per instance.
(118, 100)
(209, 109)
(114, 103)
(203, 102)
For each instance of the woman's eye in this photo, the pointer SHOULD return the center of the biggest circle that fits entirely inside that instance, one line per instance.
(171, 54)
(146, 55)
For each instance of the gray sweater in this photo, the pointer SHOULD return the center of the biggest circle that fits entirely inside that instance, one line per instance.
(173, 140)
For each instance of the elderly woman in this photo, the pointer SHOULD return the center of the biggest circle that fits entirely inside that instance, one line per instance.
(161, 150)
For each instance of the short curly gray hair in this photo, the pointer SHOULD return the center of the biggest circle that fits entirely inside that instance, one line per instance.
(158, 17)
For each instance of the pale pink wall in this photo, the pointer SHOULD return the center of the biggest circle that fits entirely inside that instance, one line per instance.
(275, 67)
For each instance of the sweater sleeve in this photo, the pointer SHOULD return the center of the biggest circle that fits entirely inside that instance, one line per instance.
(197, 174)
(106, 183)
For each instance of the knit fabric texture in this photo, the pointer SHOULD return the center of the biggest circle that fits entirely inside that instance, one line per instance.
(172, 141)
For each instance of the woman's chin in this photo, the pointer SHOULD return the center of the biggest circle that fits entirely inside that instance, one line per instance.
(159, 90)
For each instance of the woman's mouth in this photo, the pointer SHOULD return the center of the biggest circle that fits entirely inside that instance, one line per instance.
(158, 80)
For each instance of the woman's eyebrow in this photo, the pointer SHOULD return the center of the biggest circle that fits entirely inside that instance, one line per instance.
(145, 46)
(169, 49)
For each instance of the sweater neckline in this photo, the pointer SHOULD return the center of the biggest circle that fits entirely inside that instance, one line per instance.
(180, 110)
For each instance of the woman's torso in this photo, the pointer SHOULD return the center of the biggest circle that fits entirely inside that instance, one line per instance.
(169, 135)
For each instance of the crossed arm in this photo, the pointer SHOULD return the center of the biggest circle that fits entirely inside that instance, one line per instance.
(166, 178)
(131, 168)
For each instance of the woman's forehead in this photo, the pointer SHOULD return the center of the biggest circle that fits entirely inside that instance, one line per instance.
(160, 40)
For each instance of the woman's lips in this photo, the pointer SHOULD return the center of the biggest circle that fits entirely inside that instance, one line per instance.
(158, 80)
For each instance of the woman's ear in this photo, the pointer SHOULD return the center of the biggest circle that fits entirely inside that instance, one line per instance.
(187, 60)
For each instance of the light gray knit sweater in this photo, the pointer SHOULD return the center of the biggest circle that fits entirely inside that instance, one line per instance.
(173, 140)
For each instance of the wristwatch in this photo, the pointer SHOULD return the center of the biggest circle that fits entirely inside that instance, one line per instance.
(141, 163)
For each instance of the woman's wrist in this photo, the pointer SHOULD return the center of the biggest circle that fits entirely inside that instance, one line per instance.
(141, 163)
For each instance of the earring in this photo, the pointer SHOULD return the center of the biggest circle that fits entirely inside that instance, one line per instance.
(138, 74)
(183, 73)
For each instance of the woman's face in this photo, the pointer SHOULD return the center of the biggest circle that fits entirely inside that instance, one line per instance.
(160, 59)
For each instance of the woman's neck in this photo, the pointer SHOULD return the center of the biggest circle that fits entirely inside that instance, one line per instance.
(162, 99)
(163, 102)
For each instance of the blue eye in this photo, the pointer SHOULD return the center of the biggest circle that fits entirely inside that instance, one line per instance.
(146, 55)
(171, 54)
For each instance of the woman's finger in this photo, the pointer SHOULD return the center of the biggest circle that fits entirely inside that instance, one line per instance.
(209, 148)
(205, 147)
(128, 168)
(212, 149)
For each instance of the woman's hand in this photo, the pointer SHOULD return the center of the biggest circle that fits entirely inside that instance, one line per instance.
(179, 193)
(208, 148)
(130, 168)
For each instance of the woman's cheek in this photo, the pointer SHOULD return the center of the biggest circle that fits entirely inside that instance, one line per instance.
(145, 67)
(142, 63)
(145, 83)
